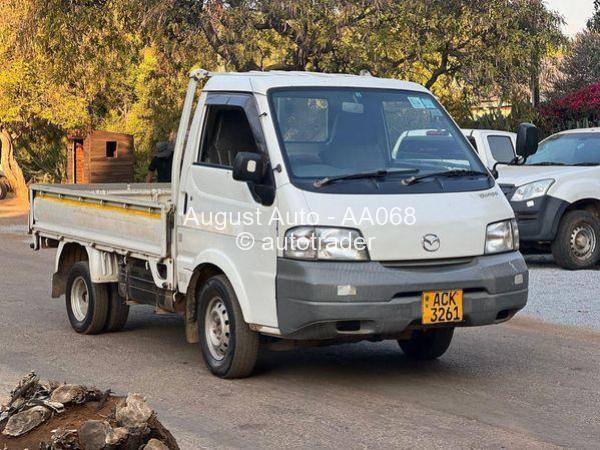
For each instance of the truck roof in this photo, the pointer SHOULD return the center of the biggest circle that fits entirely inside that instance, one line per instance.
(261, 82)
(477, 130)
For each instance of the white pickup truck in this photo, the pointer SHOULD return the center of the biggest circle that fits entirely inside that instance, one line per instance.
(555, 194)
(289, 221)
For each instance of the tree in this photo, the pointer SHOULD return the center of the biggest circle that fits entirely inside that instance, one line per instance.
(537, 35)
(63, 65)
(594, 22)
(435, 42)
(121, 64)
(580, 66)
(11, 168)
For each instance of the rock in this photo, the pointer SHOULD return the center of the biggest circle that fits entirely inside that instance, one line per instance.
(133, 412)
(155, 444)
(116, 436)
(64, 439)
(69, 393)
(26, 421)
(54, 406)
(92, 434)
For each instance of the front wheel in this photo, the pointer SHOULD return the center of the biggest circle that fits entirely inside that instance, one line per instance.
(427, 344)
(229, 347)
(576, 245)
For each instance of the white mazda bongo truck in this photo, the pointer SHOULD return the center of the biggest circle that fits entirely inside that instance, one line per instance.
(294, 218)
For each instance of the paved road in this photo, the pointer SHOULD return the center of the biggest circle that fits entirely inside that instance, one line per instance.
(524, 384)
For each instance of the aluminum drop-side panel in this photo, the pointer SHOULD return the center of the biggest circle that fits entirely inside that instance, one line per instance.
(131, 225)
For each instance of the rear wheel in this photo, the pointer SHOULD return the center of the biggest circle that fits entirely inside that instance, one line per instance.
(427, 344)
(229, 347)
(577, 243)
(87, 302)
(118, 310)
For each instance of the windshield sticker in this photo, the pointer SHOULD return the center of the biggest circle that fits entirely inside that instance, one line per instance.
(416, 102)
(428, 103)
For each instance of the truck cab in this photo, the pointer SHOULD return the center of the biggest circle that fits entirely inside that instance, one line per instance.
(294, 218)
(493, 146)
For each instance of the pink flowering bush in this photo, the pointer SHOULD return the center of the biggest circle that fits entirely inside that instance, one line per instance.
(581, 105)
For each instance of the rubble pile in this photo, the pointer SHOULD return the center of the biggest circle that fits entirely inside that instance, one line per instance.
(53, 416)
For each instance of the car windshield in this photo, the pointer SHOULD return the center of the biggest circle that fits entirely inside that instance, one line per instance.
(332, 132)
(568, 149)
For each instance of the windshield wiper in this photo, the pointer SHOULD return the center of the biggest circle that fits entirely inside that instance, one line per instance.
(547, 163)
(448, 174)
(360, 175)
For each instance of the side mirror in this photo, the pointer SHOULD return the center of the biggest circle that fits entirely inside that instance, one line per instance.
(249, 167)
(527, 140)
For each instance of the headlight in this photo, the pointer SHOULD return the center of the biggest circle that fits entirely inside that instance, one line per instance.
(321, 243)
(502, 237)
(532, 190)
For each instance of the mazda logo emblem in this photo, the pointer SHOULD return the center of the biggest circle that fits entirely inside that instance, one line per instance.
(431, 242)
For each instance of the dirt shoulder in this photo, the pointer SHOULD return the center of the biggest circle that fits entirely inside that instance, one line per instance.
(10, 207)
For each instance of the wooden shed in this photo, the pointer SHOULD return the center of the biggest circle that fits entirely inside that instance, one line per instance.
(100, 157)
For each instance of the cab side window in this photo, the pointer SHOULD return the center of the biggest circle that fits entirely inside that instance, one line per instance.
(227, 132)
(502, 148)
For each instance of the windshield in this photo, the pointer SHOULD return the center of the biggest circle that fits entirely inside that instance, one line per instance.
(333, 132)
(568, 149)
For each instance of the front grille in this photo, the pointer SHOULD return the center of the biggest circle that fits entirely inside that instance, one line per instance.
(426, 263)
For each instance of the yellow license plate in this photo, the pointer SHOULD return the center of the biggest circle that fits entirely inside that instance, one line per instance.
(442, 307)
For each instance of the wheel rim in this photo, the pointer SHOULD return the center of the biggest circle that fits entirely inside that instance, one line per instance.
(216, 328)
(583, 241)
(79, 299)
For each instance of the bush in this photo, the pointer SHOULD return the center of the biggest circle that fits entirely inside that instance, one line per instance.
(580, 109)
(521, 111)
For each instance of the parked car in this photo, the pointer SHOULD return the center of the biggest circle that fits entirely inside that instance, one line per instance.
(493, 146)
(338, 240)
(556, 197)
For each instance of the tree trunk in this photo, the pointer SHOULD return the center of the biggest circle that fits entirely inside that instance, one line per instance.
(11, 169)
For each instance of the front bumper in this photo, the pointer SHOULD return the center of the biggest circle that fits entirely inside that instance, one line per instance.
(385, 298)
(538, 218)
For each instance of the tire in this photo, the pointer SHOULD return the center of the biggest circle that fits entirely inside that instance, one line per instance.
(118, 310)
(88, 314)
(577, 243)
(3, 189)
(230, 349)
(429, 344)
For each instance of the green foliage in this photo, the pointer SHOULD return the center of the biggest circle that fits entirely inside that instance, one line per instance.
(581, 65)
(121, 65)
(594, 22)
(521, 111)
(43, 157)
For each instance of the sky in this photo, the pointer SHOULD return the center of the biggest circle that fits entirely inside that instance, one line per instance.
(575, 12)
